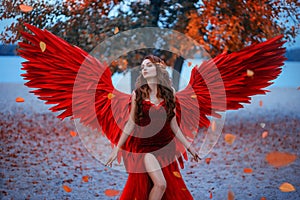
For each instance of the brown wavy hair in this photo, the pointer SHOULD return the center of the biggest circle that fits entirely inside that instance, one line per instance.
(164, 89)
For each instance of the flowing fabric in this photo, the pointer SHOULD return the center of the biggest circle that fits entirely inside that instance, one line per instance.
(153, 135)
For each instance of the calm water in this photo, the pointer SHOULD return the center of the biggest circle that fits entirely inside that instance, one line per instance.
(10, 70)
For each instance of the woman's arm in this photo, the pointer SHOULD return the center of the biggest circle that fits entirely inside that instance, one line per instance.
(178, 133)
(125, 133)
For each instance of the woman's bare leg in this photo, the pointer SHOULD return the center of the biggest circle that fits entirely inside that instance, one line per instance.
(156, 175)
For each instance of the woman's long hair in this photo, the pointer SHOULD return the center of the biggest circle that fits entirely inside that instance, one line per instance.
(164, 89)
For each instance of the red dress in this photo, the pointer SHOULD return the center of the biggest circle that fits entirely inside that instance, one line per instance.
(153, 135)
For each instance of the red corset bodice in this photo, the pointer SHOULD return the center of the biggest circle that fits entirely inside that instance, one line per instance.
(153, 131)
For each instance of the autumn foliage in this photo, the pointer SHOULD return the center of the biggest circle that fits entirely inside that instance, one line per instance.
(217, 25)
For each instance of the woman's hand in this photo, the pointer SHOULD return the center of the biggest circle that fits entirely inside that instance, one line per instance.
(112, 156)
(194, 154)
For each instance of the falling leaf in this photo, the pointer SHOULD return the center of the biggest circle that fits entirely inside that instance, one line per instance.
(73, 133)
(67, 188)
(183, 189)
(19, 99)
(110, 95)
(189, 64)
(177, 174)
(85, 178)
(213, 126)
(194, 96)
(229, 138)
(207, 160)
(116, 30)
(25, 8)
(42, 46)
(264, 134)
(287, 187)
(260, 103)
(250, 73)
(262, 125)
(111, 193)
(248, 170)
(280, 159)
(230, 195)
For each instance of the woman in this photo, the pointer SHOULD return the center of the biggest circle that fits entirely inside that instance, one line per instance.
(153, 89)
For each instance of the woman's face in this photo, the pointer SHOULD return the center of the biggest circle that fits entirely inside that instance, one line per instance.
(148, 69)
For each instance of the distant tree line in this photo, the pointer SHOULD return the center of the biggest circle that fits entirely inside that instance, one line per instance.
(10, 50)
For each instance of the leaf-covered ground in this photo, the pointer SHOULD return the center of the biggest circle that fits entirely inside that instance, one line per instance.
(256, 157)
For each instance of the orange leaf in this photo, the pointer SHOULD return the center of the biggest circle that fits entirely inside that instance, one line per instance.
(189, 64)
(85, 178)
(264, 134)
(250, 73)
(263, 198)
(207, 160)
(230, 195)
(25, 8)
(248, 170)
(19, 99)
(73, 133)
(67, 188)
(116, 30)
(177, 174)
(260, 103)
(110, 95)
(280, 159)
(229, 138)
(111, 193)
(287, 187)
(213, 126)
(42, 46)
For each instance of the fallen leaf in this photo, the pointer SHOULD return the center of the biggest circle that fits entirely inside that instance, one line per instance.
(116, 30)
(250, 73)
(264, 134)
(263, 198)
(111, 193)
(177, 174)
(287, 187)
(210, 195)
(260, 103)
(42, 46)
(280, 159)
(25, 8)
(230, 195)
(189, 64)
(248, 170)
(207, 160)
(85, 178)
(73, 133)
(229, 138)
(19, 99)
(67, 188)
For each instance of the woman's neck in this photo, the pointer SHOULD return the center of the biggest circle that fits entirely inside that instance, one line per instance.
(152, 83)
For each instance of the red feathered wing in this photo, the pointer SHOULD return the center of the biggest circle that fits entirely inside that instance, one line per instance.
(79, 84)
(225, 82)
